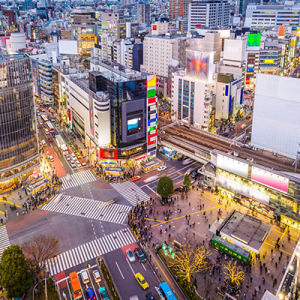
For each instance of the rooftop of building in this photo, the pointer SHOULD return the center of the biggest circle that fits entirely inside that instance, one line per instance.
(117, 72)
(9, 57)
(244, 228)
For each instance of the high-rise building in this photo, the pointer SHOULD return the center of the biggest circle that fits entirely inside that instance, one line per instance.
(143, 13)
(83, 29)
(178, 8)
(208, 13)
(19, 155)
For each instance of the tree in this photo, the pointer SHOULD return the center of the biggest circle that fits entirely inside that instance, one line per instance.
(187, 180)
(189, 262)
(236, 277)
(16, 275)
(165, 186)
(40, 249)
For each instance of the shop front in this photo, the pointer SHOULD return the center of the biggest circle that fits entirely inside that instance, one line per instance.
(151, 165)
(113, 172)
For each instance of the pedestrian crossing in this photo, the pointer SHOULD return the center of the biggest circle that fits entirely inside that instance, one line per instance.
(4, 240)
(88, 208)
(77, 179)
(131, 192)
(88, 251)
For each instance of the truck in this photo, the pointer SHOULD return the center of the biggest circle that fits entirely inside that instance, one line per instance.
(61, 144)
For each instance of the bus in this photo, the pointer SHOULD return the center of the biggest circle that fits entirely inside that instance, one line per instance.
(50, 126)
(233, 250)
(151, 165)
(75, 285)
(165, 292)
(44, 118)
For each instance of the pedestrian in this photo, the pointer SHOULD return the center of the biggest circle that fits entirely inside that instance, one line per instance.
(189, 204)
(186, 217)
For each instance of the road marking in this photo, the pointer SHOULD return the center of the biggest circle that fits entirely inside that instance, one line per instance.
(119, 270)
(130, 266)
(280, 248)
(283, 234)
(144, 267)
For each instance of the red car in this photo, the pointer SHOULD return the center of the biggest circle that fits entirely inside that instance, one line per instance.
(50, 139)
(135, 178)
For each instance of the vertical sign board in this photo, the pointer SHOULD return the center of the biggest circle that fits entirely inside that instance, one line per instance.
(151, 115)
(91, 116)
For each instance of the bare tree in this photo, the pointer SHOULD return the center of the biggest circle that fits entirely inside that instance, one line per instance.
(39, 249)
(236, 276)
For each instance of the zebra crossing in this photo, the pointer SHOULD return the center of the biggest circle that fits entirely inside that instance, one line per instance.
(131, 192)
(88, 208)
(88, 251)
(77, 179)
(4, 240)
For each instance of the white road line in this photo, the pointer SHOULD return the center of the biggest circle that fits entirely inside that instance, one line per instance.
(119, 270)
(130, 266)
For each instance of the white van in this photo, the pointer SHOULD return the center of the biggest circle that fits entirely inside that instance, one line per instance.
(85, 277)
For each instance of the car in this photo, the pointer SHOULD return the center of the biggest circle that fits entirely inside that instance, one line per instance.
(90, 293)
(135, 178)
(41, 123)
(51, 158)
(50, 139)
(46, 131)
(85, 277)
(73, 156)
(140, 255)
(56, 124)
(69, 143)
(68, 157)
(78, 155)
(189, 171)
(38, 112)
(43, 142)
(52, 120)
(97, 276)
(130, 255)
(53, 134)
(72, 164)
(83, 163)
(74, 149)
(78, 164)
(194, 174)
(103, 294)
(161, 168)
(42, 109)
(141, 281)
(149, 296)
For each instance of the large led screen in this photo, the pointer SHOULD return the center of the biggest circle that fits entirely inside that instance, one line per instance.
(254, 40)
(243, 189)
(270, 179)
(198, 64)
(109, 153)
(134, 125)
(232, 165)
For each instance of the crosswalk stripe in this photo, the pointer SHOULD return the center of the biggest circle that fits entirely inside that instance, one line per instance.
(4, 240)
(131, 192)
(90, 250)
(77, 179)
(89, 208)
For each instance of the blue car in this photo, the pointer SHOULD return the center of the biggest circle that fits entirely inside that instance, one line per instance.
(90, 293)
(103, 294)
(53, 134)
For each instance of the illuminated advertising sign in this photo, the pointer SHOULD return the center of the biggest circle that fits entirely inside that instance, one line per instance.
(269, 61)
(270, 179)
(242, 189)
(35, 73)
(199, 65)
(151, 115)
(69, 114)
(109, 153)
(232, 165)
(91, 116)
(254, 40)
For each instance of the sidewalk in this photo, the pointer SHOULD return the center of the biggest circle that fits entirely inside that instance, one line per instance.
(185, 213)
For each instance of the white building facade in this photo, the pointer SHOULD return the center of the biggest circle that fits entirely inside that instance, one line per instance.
(276, 122)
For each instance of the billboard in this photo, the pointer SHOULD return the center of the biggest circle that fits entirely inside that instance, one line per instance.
(134, 125)
(232, 165)
(151, 115)
(91, 102)
(270, 179)
(281, 31)
(254, 40)
(242, 189)
(199, 65)
(68, 47)
(109, 153)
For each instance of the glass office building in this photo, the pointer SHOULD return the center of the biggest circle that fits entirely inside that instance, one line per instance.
(19, 156)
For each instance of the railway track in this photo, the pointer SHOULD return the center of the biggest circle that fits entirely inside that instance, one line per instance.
(209, 142)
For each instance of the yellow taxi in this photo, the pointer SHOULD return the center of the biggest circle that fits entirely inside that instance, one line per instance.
(141, 281)
(78, 155)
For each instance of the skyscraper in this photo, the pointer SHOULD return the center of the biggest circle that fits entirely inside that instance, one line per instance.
(19, 155)
(143, 13)
(178, 8)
